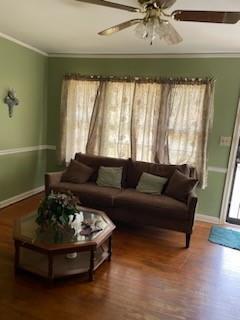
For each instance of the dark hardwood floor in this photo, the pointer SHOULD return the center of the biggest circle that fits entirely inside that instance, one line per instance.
(151, 277)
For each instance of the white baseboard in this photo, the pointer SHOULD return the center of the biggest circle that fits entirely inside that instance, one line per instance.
(205, 218)
(20, 197)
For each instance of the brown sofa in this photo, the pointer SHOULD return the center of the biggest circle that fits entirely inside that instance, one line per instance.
(126, 204)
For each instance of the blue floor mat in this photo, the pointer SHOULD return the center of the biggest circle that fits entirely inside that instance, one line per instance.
(225, 237)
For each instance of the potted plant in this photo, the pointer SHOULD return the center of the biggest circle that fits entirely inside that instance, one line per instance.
(58, 210)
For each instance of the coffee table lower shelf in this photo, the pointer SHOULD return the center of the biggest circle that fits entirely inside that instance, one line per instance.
(61, 266)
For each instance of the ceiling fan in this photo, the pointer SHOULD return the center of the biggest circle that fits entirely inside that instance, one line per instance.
(156, 21)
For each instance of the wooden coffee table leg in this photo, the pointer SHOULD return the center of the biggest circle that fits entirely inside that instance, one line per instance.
(110, 248)
(91, 267)
(50, 267)
(17, 255)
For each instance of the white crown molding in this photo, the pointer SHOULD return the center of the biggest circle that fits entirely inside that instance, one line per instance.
(206, 218)
(91, 55)
(20, 197)
(146, 56)
(23, 44)
(26, 149)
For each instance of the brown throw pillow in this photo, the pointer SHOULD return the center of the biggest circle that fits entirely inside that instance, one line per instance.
(179, 186)
(77, 172)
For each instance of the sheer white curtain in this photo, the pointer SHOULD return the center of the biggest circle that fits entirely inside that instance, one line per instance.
(145, 115)
(185, 123)
(188, 127)
(110, 129)
(78, 99)
(155, 122)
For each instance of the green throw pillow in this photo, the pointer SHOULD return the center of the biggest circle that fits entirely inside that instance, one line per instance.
(110, 177)
(150, 183)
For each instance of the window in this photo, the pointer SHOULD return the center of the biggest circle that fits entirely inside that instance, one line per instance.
(185, 123)
(148, 121)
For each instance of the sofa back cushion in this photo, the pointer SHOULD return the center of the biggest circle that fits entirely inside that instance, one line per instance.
(96, 162)
(110, 177)
(77, 172)
(149, 183)
(136, 168)
(179, 186)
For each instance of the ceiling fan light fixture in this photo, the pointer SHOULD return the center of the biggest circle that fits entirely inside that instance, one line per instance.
(161, 28)
(141, 30)
(145, 30)
(151, 28)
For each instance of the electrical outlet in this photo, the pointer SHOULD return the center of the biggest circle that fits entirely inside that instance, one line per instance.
(225, 141)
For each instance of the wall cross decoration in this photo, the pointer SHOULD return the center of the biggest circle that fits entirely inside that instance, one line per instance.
(11, 101)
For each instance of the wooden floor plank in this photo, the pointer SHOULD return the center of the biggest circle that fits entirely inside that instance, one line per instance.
(151, 277)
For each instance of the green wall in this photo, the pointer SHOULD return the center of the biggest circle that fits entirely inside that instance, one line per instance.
(26, 72)
(37, 81)
(225, 71)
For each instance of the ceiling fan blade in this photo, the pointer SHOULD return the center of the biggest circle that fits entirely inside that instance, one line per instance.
(170, 34)
(207, 16)
(119, 27)
(111, 5)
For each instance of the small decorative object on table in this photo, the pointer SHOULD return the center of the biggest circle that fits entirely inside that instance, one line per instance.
(89, 227)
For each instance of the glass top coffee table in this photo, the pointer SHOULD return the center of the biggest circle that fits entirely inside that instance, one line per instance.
(52, 253)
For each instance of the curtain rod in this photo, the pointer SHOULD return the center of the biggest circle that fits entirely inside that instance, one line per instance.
(181, 80)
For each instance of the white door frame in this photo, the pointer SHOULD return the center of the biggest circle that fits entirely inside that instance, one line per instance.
(231, 167)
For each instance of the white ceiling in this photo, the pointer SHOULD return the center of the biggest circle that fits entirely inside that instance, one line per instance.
(67, 26)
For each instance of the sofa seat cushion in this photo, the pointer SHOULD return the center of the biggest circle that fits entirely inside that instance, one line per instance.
(161, 205)
(89, 193)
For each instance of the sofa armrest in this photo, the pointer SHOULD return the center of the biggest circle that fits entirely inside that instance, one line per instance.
(191, 204)
(52, 178)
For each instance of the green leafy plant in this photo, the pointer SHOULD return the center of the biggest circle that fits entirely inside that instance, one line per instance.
(58, 210)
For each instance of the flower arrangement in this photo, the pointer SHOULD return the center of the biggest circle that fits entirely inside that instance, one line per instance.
(58, 210)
